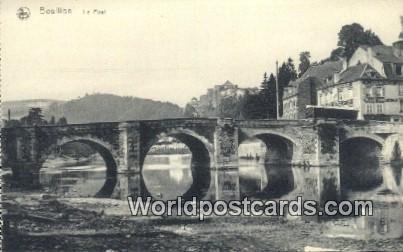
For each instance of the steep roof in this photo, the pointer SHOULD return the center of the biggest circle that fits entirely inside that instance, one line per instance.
(320, 72)
(353, 73)
(386, 53)
(324, 70)
(227, 82)
(361, 71)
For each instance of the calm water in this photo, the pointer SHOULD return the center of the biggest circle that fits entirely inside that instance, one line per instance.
(78, 181)
(168, 176)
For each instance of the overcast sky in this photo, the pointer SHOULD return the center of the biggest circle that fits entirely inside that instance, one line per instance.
(169, 50)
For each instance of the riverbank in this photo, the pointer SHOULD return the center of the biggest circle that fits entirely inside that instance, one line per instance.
(41, 222)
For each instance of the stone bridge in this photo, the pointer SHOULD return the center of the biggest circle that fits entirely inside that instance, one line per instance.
(313, 148)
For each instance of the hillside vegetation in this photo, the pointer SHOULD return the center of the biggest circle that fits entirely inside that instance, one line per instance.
(107, 107)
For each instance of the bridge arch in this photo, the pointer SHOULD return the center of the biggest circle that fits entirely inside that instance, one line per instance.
(281, 151)
(201, 162)
(360, 163)
(104, 149)
(289, 146)
(373, 137)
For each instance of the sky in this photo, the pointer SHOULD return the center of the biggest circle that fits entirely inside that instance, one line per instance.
(169, 50)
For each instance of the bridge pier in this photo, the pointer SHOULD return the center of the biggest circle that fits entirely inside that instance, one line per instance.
(27, 162)
(328, 159)
(318, 172)
(26, 175)
(225, 170)
(129, 178)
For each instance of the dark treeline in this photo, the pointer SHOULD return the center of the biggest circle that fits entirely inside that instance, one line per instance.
(35, 117)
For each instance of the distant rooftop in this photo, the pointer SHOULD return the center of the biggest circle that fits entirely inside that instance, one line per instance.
(358, 72)
(324, 70)
(386, 54)
(320, 71)
(227, 82)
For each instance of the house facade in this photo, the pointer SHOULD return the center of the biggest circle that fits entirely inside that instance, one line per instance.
(370, 81)
(303, 91)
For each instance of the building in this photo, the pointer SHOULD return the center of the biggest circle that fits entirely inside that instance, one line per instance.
(208, 105)
(370, 81)
(303, 91)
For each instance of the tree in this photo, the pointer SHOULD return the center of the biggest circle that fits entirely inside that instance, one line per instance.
(268, 96)
(190, 111)
(52, 120)
(261, 105)
(286, 73)
(304, 62)
(62, 121)
(337, 53)
(353, 35)
(34, 117)
(252, 107)
(229, 107)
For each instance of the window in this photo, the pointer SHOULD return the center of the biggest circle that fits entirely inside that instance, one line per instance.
(380, 91)
(372, 74)
(369, 108)
(398, 69)
(401, 89)
(379, 108)
(340, 94)
(369, 92)
(401, 106)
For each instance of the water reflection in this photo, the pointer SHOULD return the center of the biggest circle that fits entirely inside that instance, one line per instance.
(387, 219)
(391, 184)
(385, 223)
(77, 181)
(360, 168)
(263, 180)
(259, 180)
(167, 176)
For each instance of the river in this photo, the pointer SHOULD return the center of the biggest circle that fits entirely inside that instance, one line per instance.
(169, 176)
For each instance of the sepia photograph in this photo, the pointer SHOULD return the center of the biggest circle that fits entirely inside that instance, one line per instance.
(201, 125)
